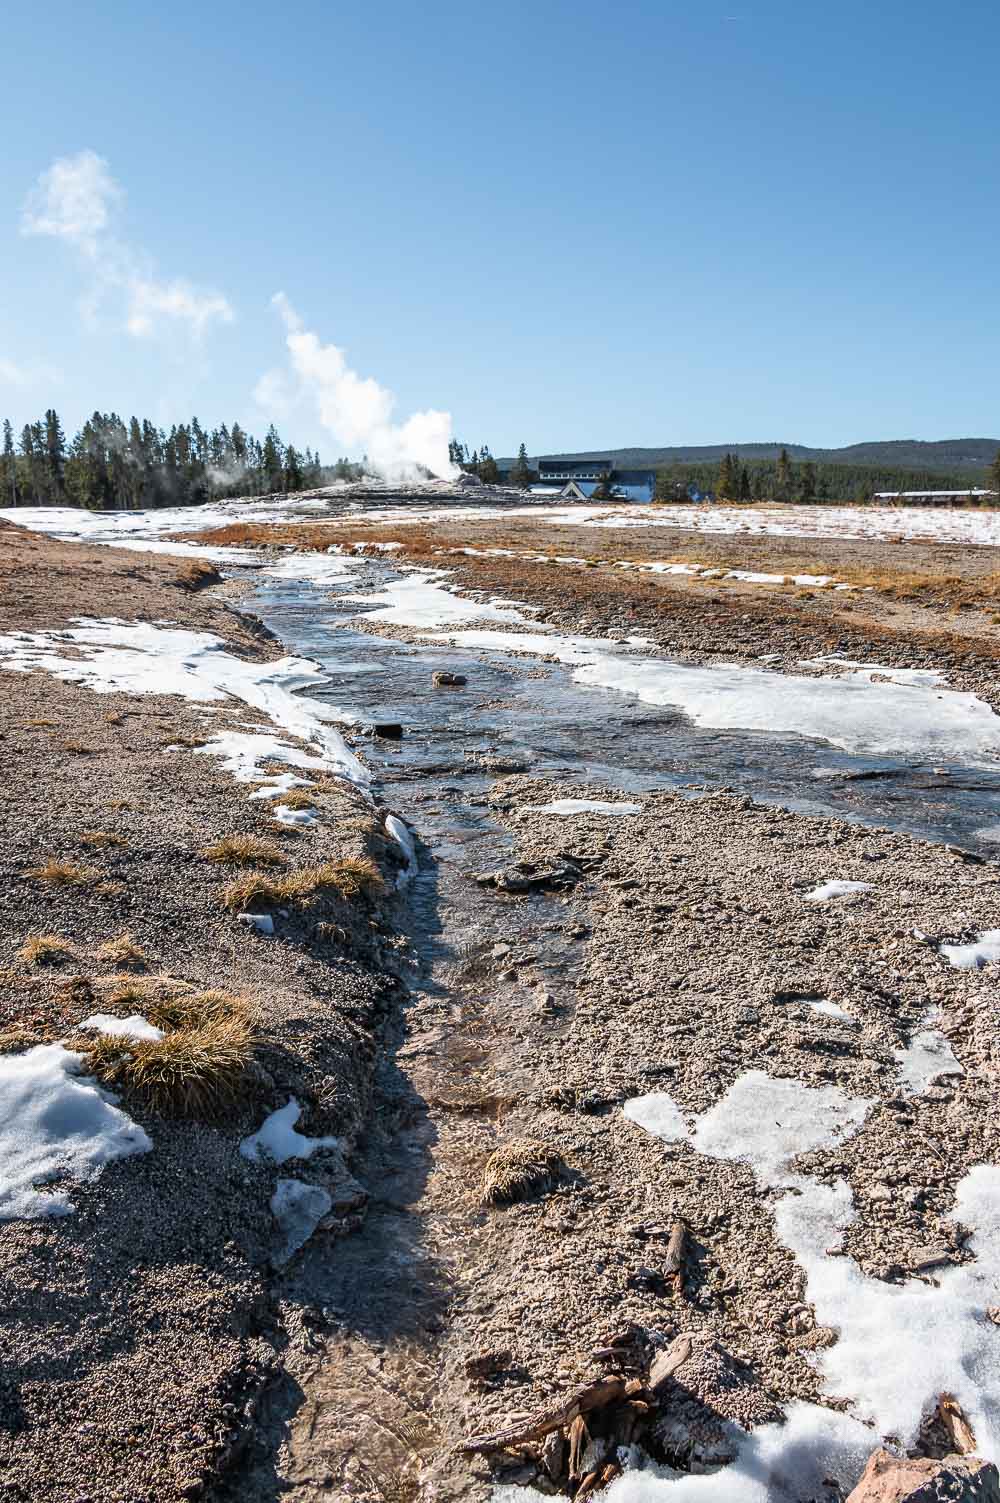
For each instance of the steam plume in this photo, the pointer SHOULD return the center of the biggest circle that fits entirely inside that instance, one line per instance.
(355, 409)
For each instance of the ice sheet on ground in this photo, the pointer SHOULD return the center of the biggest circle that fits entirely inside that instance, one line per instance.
(838, 888)
(925, 1058)
(900, 1345)
(140, 658)
(135, 1027)
(262, 923)
(286, 816)
(989, 832)
(831, 1010)
(277, 1140)
(928, 678)
(659, 1114)
(298, 1209)
(983, 950)
(420, 599)
(850, 712)
(585, 806)
(55, 1122)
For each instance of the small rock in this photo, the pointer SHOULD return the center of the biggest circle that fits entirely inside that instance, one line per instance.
(921, 1479)
(445, 680)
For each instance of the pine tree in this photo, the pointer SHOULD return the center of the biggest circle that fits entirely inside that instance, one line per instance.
(728, 483)
(993, 479)
(807, 487)
(784, 478)
(744, 487)
(293, 470)
(9, 463)
(271, 461)
(521, 473)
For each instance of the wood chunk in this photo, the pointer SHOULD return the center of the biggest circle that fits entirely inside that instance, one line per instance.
(556, 1417)
(666, 1363)
(955, 1423)
(673, 1268)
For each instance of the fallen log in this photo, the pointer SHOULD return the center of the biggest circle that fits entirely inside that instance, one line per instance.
(556, 1417)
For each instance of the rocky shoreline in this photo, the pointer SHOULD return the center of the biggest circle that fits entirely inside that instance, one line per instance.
(141, 1329)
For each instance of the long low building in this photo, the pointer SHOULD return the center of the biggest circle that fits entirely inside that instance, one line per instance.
(932, 498)
(578, 479)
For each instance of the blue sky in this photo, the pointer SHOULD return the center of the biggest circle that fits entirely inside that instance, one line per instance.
(576, 224)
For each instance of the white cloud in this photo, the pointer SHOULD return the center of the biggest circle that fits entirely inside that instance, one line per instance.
(72, 201)
(355, 410)
(150, 301)
(13, 373)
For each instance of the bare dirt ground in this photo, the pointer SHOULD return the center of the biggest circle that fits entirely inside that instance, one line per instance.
(140, 1331)
(673, 950)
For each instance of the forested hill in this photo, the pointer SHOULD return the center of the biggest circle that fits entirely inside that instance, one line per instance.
(944, 455)
(113, 464)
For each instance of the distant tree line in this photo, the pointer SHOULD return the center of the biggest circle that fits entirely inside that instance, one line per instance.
(779, 479)
(114, 465)
(481, 462)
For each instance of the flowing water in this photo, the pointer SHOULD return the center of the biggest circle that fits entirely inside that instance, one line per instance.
(370, 1395)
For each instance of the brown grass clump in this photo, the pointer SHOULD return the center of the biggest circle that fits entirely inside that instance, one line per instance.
(60, 873)
(123, 951)
(45, 949)
(244, 850)
(101, 839)
(296, 798)
(79, 748)
(518, 1169)
(190, 1072)
(351, 878)
(197, 1010)
(196, 574)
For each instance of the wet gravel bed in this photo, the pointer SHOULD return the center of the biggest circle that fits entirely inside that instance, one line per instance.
(684, 955)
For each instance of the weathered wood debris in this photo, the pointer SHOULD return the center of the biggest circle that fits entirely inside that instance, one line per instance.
(683, 1411)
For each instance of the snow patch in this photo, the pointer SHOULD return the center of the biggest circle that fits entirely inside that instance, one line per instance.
(277, 1141)
(55, 1123)
(838, 888)
(135, 1027)
(139, 658)
(983, 950)
(404, 839)
(585, 806)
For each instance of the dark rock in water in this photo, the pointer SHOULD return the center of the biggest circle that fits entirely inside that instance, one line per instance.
(526, 876)
(387, 730)
(445, 680)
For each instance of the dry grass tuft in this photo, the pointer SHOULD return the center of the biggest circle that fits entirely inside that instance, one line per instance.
(193, 742)
(61, 873)
(39, 724)
(196, 574)
(46, 949)
(351, 878)
(296, 798)
(244, 850)
(198, 1010)
(16, 1040)
(191, 1072)
(123, 951)
(518, 1169)
(79, 748)
(101, 839)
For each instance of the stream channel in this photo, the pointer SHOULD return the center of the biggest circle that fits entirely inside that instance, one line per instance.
(357, 1409)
